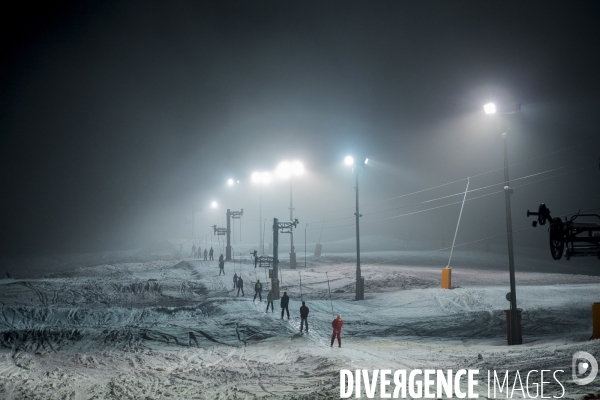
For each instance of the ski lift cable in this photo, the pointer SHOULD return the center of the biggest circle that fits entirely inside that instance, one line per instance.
(472, 176)
(461, 193)
(485, 187)
(467, 243)
(488, 172)
(457, 194)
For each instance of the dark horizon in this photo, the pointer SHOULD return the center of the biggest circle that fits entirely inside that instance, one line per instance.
(120, 118)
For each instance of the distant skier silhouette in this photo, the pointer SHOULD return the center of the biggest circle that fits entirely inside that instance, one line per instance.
(222, 267)
(270, 298)
(258, 290)
(255, 254)
(210, 254)
(285, 301)
(240, 285)
(194, 250)
(235, 278)
(205, 254)
(304, 316)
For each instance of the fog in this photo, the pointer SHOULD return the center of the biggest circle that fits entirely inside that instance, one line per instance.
(121, 121)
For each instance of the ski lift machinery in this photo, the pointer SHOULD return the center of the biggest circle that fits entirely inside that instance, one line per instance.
(578, 234)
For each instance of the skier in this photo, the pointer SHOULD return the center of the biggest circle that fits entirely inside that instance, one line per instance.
(257, 290)
(285, 300)
(221, 257)
(194, 250)
(304, 316)
(337, 330)
(270, 298)
(234, 281)
(255, 254)
(199, 253)
(240, 285)
(205, 254)
(210, 254)
(222, 267)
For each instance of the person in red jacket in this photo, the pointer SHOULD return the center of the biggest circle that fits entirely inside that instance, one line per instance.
(337, 330)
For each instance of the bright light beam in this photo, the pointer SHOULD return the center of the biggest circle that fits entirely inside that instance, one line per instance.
(489, 108)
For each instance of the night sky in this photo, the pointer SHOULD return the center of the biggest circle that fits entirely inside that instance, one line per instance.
(120, 118)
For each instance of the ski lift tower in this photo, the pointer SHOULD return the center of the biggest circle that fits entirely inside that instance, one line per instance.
(234, 215)
(227, 231)
(219, 231)
(276, 227)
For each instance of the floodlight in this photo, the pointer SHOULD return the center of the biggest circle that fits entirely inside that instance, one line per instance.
(213, 204)
(230, 182)
(490, 108)
(284, 169)
(366, 161)
(297, 168)
(349, 160)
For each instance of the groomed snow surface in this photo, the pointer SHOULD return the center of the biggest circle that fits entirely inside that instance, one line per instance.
(143, 325)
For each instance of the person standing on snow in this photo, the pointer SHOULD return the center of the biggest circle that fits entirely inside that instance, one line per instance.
(222, 267)
(235, 278)
(255, 254)
(240, 285)
(304, 316)
(210, 254)
(199, 252)
(194, 250)
(205, 254)
(337, 330)
(258, 290)
(285, 301)
(270, 298)
(221, 257)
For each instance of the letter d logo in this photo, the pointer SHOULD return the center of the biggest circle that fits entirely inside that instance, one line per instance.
(580, 367)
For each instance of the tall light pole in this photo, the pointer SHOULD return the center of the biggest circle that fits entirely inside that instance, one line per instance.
(261, 178)
(287, 170)
(359, 281)
(490, 108)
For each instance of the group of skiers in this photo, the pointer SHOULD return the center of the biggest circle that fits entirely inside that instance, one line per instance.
(284, 304)
(197, 253)
(238, 283)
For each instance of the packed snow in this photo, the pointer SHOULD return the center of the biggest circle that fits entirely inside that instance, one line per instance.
(162, 325)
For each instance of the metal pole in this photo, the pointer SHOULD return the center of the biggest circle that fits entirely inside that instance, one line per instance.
(514, 338)
(261, 247)
(458, 223)
(358, 277)
(275, 257)
(263, 237)
(305, 245)
(228, 248)
(301, 298)
(292, 250)
(330, 295)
